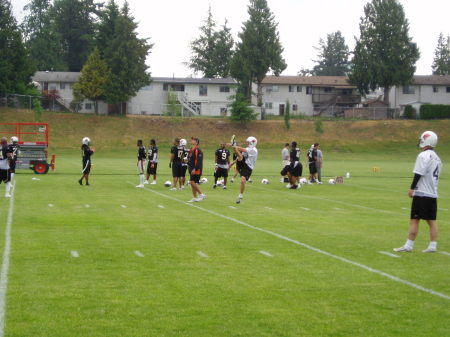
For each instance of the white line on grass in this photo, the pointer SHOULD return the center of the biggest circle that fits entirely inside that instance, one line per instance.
(305, 209)
(123, 206)
(87, 205)
(317, 250)
(74, 253)
(443, 209)
(232, 207)
(269, 208)
(160, 206)
(201, 254)
(445, 253)
(5, 262)
(263, 252)
(50, 205)
(388, 254)
(138, 253)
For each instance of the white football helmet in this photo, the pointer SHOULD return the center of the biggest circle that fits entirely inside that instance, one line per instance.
(183, 142)
(14, 139)
(428, 138)
(332, 181)
(265, 181)
(252, 141)
(86, 140)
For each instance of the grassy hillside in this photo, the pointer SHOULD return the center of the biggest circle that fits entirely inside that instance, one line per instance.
(338, 136)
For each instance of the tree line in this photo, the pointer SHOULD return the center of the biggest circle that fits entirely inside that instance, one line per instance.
(101, 41)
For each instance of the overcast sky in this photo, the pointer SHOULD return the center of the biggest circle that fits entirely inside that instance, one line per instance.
(172, 24)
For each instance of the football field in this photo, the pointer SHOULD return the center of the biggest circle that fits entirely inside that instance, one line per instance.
(114, 260)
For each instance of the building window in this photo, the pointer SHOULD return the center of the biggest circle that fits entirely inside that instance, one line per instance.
(224, 89)
(346, 91)
(328, 89)
(309, 90)
(291, 88)
(294, 107)
(448, 89)
(62, 86)
(435, 89)
(408, 90)
(173, 87)
(268, 105)
(203, 90)
(272, 88)
(88, 106)
(299, 88)
(52, 86)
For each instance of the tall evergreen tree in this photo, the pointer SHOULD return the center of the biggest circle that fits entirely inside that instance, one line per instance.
(333, 56)
(384, 55)
(15, 69)
(441, 61)
(224, 51)
(75, 23)
(259, 49)
(106, 26)
(125, 56)
(42, 41)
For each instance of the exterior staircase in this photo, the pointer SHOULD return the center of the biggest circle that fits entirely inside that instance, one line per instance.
(189, 108)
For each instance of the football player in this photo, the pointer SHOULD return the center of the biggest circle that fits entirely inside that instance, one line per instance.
(245, 163)
(195, 164)
(312, 158)
(176, 154)
(295, 168)
(423, 192)
(285, 163)
(152, 165)
(86, 153)
(184, 163)
(141, 157)
(222, 164)
(6, 157)
(14, 147)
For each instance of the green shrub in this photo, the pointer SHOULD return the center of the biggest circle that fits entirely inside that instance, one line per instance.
(287, 116)
(240, 110)
(410, 112)
(434, 111)
(318, 125)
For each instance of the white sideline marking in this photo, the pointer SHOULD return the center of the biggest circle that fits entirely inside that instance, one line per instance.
(138, 253)
(443, 209)
(5, 262)
(201, 254)
(160, 206)
(50, 205)
(123, 206)
(74, 253)
(445, 253)
(317, 250)
(404, 208)
(87, 205)
(305, 209)
(269, 208)
(389, 254)
(232, 207)
(263, 252)
(338, 209)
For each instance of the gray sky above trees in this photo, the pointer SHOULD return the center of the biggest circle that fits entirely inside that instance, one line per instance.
(173, 24)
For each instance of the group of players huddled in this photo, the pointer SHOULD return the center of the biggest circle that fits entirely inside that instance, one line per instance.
(8, 162)
(184, 159)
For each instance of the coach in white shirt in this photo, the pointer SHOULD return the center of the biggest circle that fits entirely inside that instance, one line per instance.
(285, 161)
(423, 191)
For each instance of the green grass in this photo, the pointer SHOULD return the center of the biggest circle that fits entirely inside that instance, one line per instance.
(236, 291)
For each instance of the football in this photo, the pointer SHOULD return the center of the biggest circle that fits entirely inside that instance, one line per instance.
(203, 181)
(167, 183)
(331, 181)
(265, 181)
(220, 182)
(303, 181)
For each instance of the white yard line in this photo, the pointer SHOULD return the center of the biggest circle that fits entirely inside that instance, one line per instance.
(263, 252)
(388, 254)
(269, 208)
(201, 254)
(161, 206)
(50, 205)
(74, 253)
(305, 209)
(123, 206)
(87, 205)
(445, 253)
(138, 253)
(5, 262)
(232, 207)
(314, 249)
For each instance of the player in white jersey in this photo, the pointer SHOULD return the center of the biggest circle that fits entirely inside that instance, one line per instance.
(423, 191)
(245, 163)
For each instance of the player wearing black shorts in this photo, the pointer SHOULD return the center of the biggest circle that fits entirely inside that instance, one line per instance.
(222, 164)
(152, 165)
(312, 158)
(86, 153)
(14, 148)
(6, 156)
(141, 157)
(176, 155)
(184, 161)
(195, 165)
(294, 169)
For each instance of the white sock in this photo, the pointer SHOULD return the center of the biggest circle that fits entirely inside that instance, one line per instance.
(433, 245)
(241, 196)
(141, 178)
(12, 176)
(409, 243)
(8, 187)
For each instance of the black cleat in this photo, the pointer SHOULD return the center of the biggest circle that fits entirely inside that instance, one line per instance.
(80, 182)
(214, 186)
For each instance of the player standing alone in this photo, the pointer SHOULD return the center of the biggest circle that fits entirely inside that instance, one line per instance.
(423, 191)
(6, 156)
(86, 154)
(222, 164)
(195, 164)
(245, 163)
(141, 157)
(152, 166)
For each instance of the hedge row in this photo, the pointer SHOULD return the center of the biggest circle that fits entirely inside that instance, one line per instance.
(434, 111)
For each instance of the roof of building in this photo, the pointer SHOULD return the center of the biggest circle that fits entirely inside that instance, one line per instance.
(191, 80)
(432, 79)
(56, 76)
(330, 81)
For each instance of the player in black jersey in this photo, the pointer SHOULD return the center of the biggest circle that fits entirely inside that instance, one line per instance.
(14, 146)
(312, 158)
(176, 156)
(222, 165)
(141, 157)
(6, 156)
(184, 162)
(295, 168)
(152, 166)
(233, 163)
(86, 153)
(195, 164)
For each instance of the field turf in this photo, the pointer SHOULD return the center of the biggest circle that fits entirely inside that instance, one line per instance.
(114, 260)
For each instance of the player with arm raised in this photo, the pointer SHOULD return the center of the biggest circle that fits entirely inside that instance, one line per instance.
(423, 191)
(245, 163)
(86, 154)
(222, 165)
(152, 165)
(141, 157)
